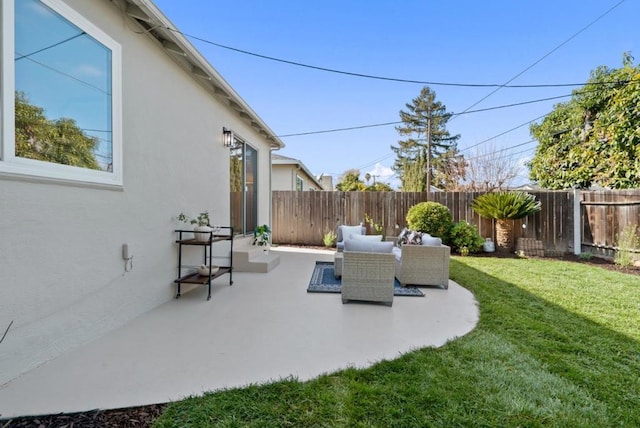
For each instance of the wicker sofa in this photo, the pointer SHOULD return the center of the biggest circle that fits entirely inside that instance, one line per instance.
(423, 265)
(368, 271)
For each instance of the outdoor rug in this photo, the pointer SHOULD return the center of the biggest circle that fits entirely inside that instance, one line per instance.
(323, 280)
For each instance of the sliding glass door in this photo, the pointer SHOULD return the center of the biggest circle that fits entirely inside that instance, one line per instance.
(244, 188)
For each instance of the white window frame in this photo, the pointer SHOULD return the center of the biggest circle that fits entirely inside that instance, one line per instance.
(300, 180)
(17, 167)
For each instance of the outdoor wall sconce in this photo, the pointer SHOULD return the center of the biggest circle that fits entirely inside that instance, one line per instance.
(227, 137)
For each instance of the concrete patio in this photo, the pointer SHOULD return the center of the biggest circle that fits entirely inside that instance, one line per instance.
(264, 327)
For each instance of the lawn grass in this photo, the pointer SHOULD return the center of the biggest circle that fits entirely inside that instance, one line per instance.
(557, 344)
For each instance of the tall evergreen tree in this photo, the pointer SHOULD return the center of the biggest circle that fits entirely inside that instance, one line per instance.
(427, 138)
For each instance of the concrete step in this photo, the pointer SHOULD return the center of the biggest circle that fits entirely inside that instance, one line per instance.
(251, 258)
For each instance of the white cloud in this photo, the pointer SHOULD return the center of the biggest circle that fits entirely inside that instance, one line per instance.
(383, 174)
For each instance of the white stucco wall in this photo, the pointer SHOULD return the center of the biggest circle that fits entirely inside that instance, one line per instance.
(284, 178)
(62, 277)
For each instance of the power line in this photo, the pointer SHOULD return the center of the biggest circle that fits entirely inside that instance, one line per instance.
(506, 84)
(51, 46)
(55, 70)
(503, 133)
(447, 114)
(386, 78)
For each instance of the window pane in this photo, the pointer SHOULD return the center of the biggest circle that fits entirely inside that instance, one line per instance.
(63, 91)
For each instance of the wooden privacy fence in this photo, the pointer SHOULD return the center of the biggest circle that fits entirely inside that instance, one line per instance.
(604, 215)
(304, 217)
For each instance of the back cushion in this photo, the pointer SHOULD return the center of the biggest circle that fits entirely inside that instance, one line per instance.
(431, 241)
(344, 232)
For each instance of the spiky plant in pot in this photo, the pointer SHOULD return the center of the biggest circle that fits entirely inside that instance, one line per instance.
(504, 207)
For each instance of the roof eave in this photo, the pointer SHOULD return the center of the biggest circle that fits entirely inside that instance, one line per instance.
(156, 25)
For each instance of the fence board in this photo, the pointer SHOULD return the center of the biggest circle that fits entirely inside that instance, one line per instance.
(605, 214)
(304, 217)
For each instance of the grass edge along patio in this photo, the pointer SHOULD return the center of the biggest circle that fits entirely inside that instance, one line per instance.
(558, 344)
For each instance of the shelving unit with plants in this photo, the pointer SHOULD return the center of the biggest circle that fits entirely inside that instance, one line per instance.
(186, 274)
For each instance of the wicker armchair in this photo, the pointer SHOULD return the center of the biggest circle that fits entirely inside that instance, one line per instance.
(423, 265)
(368, 276)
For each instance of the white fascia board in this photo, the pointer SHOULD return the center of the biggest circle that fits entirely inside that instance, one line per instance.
(196, 59)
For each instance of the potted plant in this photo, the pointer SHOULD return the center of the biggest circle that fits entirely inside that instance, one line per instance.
(202, 230)
(504, 207)
(262, 236)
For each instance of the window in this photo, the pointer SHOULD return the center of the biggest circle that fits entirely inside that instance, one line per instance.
(299, 183)
(60, 95)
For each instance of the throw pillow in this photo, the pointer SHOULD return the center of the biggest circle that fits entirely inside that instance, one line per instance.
(414, 238)
(370, 238)
(402, 238)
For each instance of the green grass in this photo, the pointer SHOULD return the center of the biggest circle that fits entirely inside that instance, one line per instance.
(557, 345)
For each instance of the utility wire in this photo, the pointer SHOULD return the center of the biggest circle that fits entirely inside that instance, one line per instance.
(503, 133)
(386, 78)
(55, 70)
(51, 46)
(447, 114)
(506, 84)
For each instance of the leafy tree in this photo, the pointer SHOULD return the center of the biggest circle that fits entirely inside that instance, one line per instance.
(504, 207)
(350, 182)
(450, 170)
(427, 138)
(594, 138)
(413, 175)
(379, 187)
(59, 141)
(490, 169)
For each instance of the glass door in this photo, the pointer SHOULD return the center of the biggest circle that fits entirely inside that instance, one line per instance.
(244, 191)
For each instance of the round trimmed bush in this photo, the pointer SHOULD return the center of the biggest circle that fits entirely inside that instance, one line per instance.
(464, 234)
(432, 218)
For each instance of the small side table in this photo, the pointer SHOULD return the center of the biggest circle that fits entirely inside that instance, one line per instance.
(337, 264)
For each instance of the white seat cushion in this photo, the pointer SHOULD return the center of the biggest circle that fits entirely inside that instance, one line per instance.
(397, 253)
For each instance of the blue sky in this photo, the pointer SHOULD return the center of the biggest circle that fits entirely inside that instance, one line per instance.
(440, 41)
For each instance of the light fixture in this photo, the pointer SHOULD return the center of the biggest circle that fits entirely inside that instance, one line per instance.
(227, 137)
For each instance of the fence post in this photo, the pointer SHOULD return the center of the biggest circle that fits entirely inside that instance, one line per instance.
(577, 223)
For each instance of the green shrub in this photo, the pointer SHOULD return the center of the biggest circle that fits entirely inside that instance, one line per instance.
(329, 239)
(465, 235)
(628, 244)
(432, 218)
(586, 256)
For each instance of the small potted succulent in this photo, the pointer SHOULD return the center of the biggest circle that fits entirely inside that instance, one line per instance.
(202, 230)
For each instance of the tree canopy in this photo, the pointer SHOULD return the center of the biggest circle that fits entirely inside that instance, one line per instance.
(59, 141)
(350, 182)
(594, 138)
(427, 139)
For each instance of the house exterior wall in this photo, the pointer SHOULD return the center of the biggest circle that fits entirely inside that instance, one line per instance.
(62, 277)
(283, 177)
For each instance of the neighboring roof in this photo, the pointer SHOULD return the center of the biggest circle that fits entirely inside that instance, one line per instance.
(156, 25)
(284, 160)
